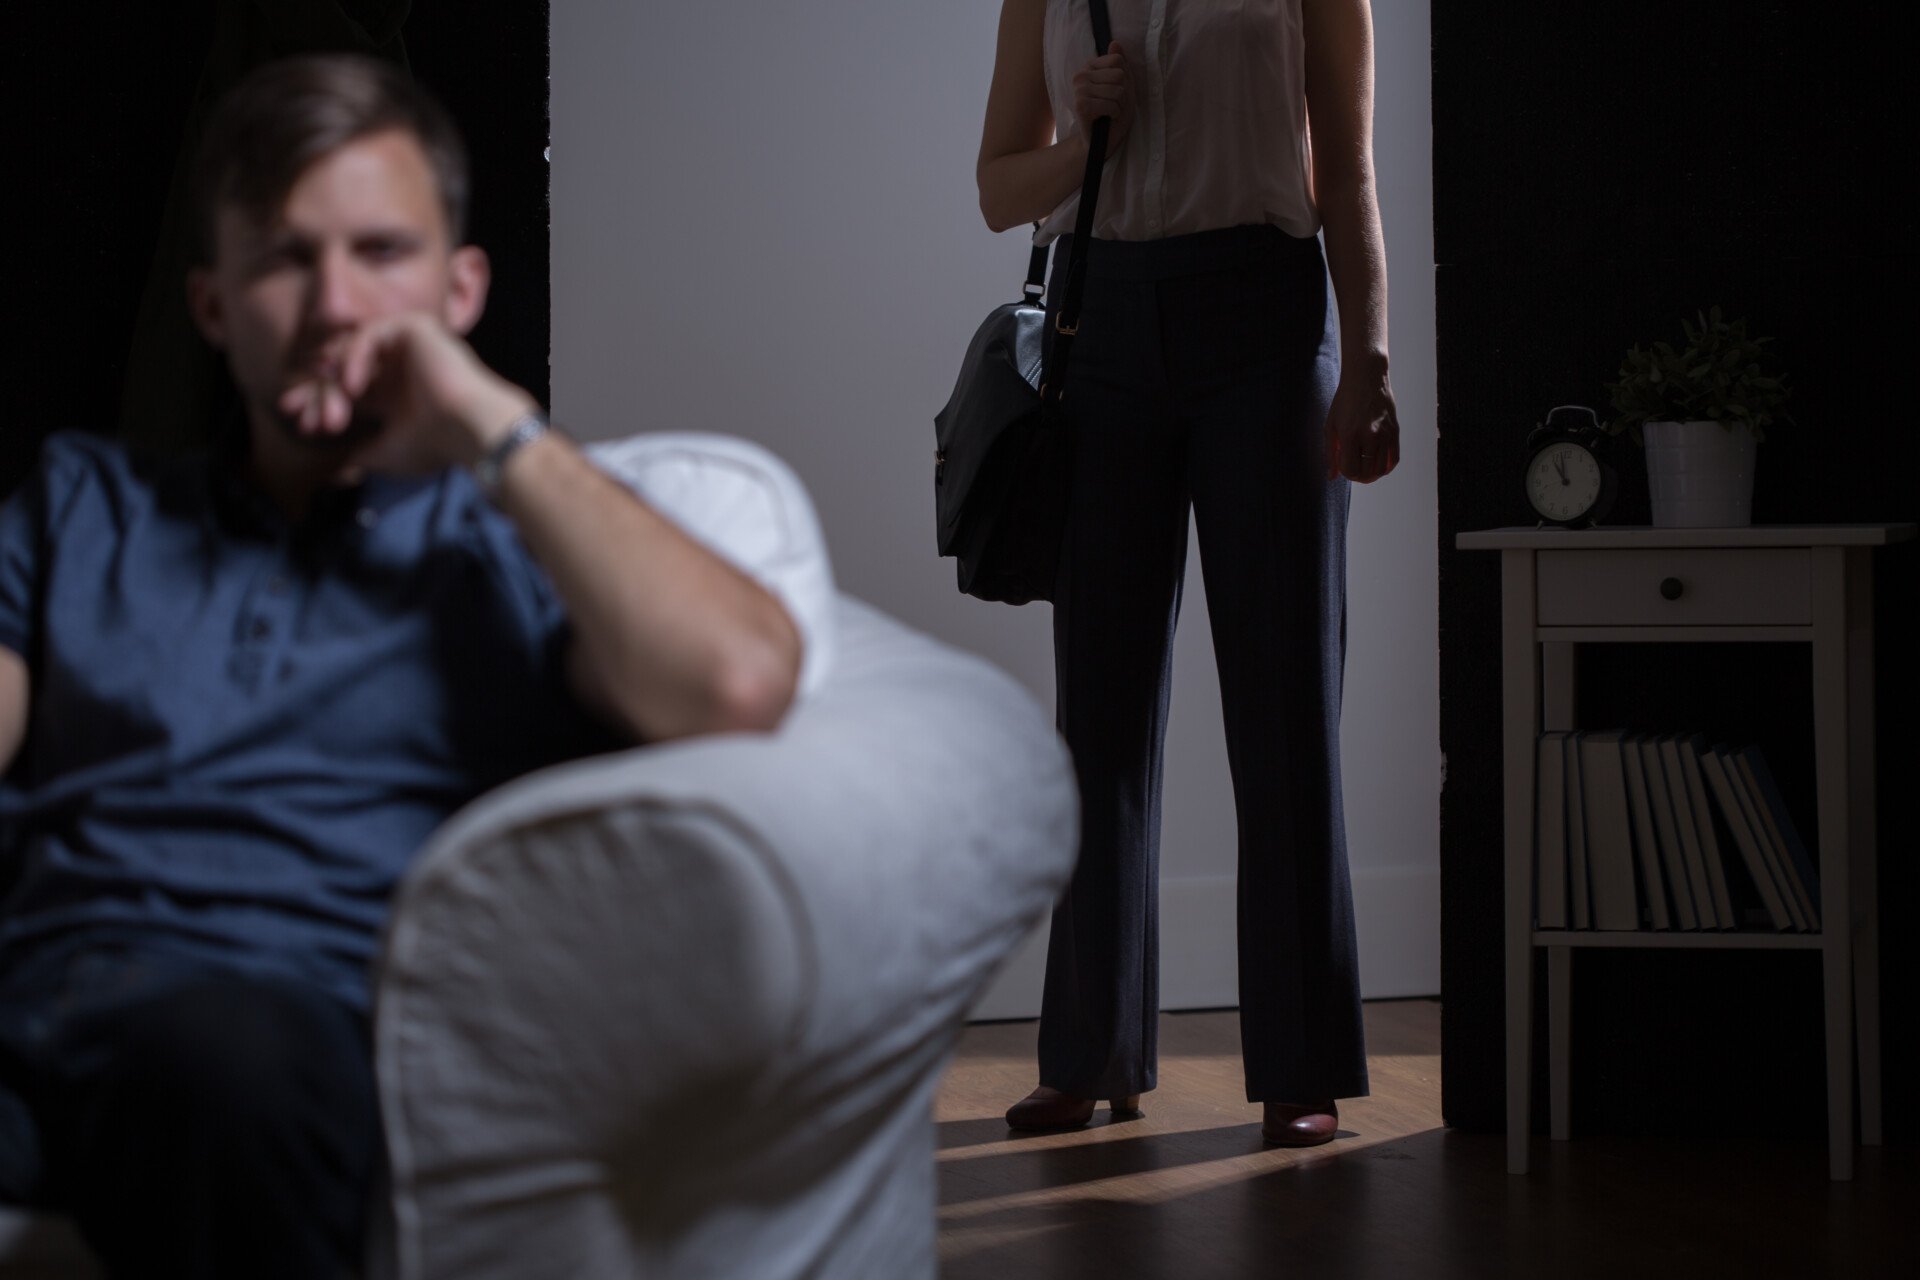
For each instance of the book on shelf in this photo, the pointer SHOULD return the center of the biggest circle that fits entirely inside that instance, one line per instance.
(1802, 875)
(1579, 886)
(1776, 858)
(1653, 889)
(1713, 767)
(1609, 842)
(1666, 828)
(1773, 854)
(1639, 831)
(1686, 752)
(1550, 832)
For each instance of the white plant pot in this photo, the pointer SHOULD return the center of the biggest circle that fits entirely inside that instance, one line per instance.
(1700, 474)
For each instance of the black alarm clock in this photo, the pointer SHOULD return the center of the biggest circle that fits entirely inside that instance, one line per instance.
(1569, 480)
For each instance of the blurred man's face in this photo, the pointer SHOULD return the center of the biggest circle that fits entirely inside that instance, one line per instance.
(362, 236)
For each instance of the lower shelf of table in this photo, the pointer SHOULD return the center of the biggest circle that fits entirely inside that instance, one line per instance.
(1733, 938)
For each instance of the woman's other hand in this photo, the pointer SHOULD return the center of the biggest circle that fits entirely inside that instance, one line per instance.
(1363, 429)
(1101, 89)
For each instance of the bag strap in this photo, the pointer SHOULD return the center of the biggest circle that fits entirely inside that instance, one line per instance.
(1066, 321)
(1036, 286)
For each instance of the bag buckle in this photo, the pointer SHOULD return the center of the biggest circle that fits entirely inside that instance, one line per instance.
(1061, 326)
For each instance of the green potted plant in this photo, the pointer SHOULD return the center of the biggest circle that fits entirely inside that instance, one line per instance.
(1699, 409)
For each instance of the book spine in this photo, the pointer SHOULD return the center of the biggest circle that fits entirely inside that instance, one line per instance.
(1770, 826)
(1716, 775)
(1550, 833)
(1673, 858)
(1749, 809)
(1609, 833)
(1689, 832)
(1653, 892)
(1579, 885)
(1802, 858)
(1710, 853)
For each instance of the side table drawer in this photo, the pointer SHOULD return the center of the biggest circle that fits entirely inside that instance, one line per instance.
(1719, 587)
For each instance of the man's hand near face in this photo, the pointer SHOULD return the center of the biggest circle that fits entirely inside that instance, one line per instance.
(415, 389)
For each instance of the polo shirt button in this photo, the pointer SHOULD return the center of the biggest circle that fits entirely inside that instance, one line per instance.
(366, 517)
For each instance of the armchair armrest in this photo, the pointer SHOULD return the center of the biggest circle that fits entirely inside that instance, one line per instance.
(680, 1010)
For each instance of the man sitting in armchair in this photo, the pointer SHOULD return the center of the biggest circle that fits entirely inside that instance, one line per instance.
(238, 691)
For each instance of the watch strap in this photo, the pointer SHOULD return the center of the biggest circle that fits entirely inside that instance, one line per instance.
(527, 428)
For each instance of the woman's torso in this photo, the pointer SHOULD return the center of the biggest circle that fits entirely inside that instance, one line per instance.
(1219, 135)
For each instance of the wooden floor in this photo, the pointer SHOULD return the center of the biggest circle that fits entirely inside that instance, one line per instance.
(1188, 1192)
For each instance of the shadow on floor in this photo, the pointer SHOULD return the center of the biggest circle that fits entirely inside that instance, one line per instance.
(1434, 1204)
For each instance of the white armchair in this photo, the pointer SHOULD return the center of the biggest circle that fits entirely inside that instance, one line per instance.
(681, 1010)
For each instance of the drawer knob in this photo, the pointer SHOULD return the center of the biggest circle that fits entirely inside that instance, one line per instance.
(1671, 588)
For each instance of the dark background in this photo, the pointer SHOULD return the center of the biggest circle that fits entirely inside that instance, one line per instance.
(1600, 171)
(97, 98)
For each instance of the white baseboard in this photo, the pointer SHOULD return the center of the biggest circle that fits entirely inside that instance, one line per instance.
(1397, 910)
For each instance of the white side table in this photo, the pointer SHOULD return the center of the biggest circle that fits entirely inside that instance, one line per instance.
(1807, 583)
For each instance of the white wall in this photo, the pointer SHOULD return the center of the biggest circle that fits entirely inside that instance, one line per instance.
(765, 223)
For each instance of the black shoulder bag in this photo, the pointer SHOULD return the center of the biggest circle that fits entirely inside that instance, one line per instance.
(1002, 447)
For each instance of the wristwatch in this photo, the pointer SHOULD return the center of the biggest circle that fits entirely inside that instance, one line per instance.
(527, 428)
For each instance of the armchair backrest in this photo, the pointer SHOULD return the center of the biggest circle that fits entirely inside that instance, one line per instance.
(747, 506)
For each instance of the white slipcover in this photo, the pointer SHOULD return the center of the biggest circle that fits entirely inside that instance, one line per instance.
(681, 1010)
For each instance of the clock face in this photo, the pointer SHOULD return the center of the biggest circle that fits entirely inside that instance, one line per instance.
(1563, 481)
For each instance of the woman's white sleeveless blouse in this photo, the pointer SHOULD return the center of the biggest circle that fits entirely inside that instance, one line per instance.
(1219, 136)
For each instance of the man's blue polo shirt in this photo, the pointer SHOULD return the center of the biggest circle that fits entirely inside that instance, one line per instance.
(242, 731)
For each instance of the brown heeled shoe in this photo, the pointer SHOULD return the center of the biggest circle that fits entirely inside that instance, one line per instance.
(1290, 1124)
(1046, 1108)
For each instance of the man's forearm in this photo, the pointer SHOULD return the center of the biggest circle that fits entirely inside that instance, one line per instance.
(671, 640)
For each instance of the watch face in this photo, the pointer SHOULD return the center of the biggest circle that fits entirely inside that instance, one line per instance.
(1563, 481)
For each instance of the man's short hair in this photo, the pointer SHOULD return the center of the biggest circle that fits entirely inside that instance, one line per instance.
(286, 115)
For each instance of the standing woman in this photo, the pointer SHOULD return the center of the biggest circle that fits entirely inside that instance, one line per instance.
(1207, 373)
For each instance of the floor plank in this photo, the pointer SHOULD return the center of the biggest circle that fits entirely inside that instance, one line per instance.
(1188, 1190)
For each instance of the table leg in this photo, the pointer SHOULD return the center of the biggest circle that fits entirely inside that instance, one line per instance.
(1831, 736)
(1559, 684)
(1560, 1040)
(1865, 863)
(1520, 685)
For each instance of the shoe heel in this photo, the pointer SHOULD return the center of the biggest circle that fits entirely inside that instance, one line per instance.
(1128, 1106)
